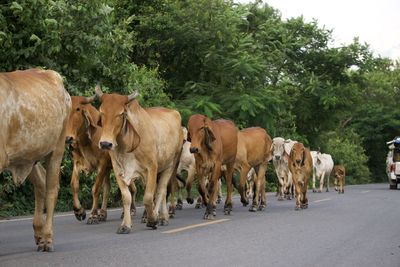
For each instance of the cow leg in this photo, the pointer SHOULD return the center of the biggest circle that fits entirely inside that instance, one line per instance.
(37, 178)
(327, 182)
(229, 187)
(52, 185)
(167, 176)
(321, 182)
(126, 224)
(313, 182)
(133, 193)
(281, 186)
(304, 200)
(99, 182)
(210, 212)
(189, 182)
(79, 211)
(148, 198)
(242, 182)
(173, 187)
(335, 182)
(297, 188)
(106, 192)
(261, 183)
(202, 189)
(219, 199)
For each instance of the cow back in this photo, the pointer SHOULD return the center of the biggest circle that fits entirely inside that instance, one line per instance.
(227, 132)
(256, 144)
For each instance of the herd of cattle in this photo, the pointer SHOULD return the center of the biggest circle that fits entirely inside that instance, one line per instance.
(140, 144)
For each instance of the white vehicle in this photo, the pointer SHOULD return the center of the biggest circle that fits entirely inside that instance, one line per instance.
(393, 163)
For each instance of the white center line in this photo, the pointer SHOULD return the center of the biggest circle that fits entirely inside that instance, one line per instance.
(366, 191)
(322, 200)
(193, 226)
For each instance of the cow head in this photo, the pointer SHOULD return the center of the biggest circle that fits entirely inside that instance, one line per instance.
(200, 133)
(277, 148)
(80, 121)
(339, 171)
(117, 128)
(298, 155)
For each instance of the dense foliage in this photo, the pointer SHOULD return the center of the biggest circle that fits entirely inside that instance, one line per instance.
(214, 57)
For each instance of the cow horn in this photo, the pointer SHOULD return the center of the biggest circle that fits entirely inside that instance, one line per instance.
(133, 96)
(98, 91)
(88, 100)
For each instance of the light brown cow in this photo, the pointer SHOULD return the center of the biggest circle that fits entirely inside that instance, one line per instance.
(253, 151)
(143, 143)
(300, 165)
(34, 108)
(213, 143)
(339, 172)
(83, 135)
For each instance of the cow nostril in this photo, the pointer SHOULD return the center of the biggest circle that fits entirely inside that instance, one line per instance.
(194, 150)
(298, 161)
(105, 145)
(69, 139)
(277, 157)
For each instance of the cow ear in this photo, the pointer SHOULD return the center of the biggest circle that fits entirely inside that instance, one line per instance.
(304, 157)
(209, 137)
(129, 138)
(188, 138)
(89, 123)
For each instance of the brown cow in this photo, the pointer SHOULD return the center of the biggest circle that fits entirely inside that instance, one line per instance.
(339, 173)
(34, 108)
(83, 135)
(142, 143)
(213, 143)
(253, 151)
(300, 165)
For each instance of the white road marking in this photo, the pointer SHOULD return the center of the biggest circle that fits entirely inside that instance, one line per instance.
(193, 226)
(322, 200)
(366, 191)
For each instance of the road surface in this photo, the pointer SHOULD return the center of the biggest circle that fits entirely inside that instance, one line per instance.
(359, 228)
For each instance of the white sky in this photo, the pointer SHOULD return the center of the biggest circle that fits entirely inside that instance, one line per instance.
(376, 22)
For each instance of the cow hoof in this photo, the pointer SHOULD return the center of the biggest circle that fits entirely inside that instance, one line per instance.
(219, 200)
(244, 201)
(80, 214)
(93, 219)
(280, 198)
(45, 248)
(103, 216)
(123, 229)
(179, 206)
(164, 222)
(171, 211)
(336, 189)
(327, 190)
(189, 200)
(37, 239)
(314, 191)
(152, 225)
(133, 212)
(253, 208)
(319, 191)
(198, 206)
(208, 216)
(261, 208)
(297, 208)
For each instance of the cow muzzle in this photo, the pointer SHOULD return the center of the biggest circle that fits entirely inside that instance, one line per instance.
(277, 157)
(194, 150)
(298, 162)
(106, 145)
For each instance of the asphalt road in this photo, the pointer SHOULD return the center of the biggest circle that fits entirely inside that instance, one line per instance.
(359, 228)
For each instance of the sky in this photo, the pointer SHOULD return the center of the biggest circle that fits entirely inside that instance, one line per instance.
(376, 22)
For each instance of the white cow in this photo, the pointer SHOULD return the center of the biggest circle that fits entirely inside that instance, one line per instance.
(280, 154)
(322, 166)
